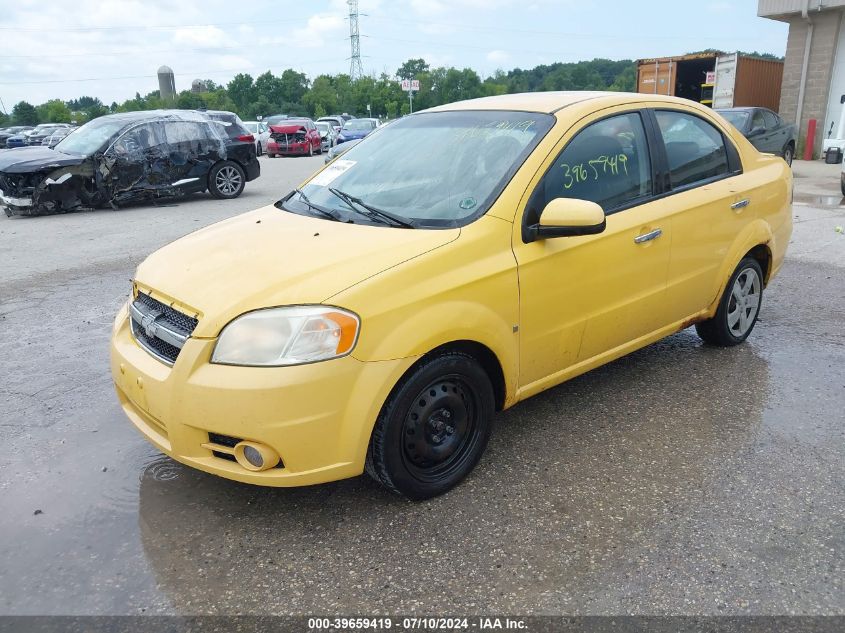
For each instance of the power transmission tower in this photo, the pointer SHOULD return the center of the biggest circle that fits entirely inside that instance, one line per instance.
(356, 71)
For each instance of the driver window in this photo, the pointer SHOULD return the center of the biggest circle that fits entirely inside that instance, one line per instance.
(607, 163)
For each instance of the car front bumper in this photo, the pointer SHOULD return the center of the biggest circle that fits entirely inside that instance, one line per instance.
(13, 203)
(318, 417)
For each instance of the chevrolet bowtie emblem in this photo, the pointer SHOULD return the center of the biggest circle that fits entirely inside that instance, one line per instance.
(149, 325)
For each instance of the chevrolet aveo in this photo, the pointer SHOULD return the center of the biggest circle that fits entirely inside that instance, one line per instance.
(376, 317)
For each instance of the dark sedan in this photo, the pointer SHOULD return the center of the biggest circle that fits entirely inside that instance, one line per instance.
(764, 129)
(122, 158)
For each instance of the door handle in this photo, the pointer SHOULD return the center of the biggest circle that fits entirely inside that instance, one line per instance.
(740, 204)
(647, 237)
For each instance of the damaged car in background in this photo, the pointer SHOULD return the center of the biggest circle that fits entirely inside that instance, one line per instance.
(123, 158)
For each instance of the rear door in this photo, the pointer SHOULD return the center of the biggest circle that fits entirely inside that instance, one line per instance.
(776, 132)
(707, 201)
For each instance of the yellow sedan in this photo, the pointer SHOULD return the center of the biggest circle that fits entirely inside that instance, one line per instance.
(450, 265)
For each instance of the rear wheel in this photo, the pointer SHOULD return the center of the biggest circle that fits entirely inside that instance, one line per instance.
(258, 150)
(789, 154)
(738, 309)
(226, 180)
(433, 429)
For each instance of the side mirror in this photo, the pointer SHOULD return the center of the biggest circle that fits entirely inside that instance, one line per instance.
(566, 217)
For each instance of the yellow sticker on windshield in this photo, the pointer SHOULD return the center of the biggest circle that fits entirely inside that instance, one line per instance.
(330, 173)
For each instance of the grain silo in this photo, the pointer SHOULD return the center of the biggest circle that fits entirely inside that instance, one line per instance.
(166, 83)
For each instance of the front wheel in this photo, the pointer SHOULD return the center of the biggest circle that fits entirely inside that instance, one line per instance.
(738, 308)
(433, 429)
(258, 150)
(226, 180)
(310, 150)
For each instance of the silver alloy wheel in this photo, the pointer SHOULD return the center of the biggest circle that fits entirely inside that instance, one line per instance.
(744, 302)
(228, 180)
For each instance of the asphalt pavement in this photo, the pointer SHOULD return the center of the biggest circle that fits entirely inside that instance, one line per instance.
(682, 479)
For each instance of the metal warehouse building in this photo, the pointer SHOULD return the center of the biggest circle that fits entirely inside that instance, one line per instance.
(814, 70)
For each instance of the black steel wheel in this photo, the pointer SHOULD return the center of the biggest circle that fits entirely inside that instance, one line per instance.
(433, 429)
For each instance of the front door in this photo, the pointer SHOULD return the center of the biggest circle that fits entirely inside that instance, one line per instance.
(584, 297)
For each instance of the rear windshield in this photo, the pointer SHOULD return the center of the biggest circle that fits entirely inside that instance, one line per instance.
(737, 118)
(359, 124)
(232, 124)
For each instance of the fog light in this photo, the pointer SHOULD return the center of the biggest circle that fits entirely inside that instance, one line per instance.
(254, 456)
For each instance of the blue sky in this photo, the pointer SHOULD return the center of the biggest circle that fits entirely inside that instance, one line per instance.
(111, 49)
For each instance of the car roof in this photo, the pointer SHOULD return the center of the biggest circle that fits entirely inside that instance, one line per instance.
(551, 102)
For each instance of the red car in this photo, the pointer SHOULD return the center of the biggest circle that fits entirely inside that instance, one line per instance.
(294, 136)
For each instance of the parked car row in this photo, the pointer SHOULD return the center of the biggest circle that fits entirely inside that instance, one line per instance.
(24, 135)
(129, 157)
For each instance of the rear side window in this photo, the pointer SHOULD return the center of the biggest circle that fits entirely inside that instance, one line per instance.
(695, 149)
(607, 163)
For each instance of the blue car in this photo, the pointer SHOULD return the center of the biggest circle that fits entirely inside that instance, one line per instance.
(18, 140)
(356, 129)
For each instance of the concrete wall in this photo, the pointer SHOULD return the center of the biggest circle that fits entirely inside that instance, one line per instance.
(826, 25)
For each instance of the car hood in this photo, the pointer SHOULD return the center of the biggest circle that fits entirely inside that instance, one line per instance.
(270, 257)
(287, 129)
(35, 158)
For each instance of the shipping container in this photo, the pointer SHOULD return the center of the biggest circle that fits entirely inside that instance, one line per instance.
(719, 80)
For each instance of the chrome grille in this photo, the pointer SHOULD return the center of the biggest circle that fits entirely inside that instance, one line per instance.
(158, 328)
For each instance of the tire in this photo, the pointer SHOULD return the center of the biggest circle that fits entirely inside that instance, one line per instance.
(271, 156)
(310, 150)
(729, 327)
(226, 180)
(451, 427)
(789, 154)
(258, 150)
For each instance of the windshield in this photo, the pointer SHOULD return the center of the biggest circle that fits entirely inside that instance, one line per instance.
(323, 127)
(357, 125)
(252, 127)
(737, 118)
(459, 164)
(92, 136)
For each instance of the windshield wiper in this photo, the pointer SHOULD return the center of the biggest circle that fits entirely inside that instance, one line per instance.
(329, 215)
(374, 213)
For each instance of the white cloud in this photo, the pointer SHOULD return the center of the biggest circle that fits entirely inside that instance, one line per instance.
(202, 37)
(498, 57)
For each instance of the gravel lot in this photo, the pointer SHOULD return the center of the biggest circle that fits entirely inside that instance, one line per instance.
(679, 480)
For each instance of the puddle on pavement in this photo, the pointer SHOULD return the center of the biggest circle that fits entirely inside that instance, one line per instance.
(819, 201)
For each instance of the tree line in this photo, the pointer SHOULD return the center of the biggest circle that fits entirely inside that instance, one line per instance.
(293, 93)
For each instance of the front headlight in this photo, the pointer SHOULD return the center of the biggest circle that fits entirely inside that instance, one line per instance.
(287, 336)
